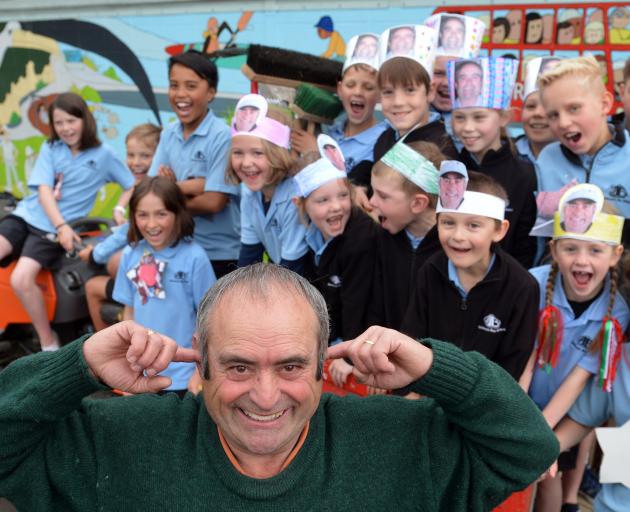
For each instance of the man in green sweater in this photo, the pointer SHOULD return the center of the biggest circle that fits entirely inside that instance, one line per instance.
(261, 436)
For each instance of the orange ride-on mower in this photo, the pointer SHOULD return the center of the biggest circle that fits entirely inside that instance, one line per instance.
(64, 294)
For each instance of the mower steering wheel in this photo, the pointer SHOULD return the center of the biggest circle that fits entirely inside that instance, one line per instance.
(88, 224)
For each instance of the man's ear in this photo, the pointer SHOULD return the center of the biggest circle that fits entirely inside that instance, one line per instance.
(295, 200)
(195, 346)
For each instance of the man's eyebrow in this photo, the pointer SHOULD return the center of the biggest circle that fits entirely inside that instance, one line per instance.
(234, 359)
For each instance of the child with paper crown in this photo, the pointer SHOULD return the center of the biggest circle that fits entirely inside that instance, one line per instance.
(404, 80)
(405, 184)
(193, 152)
(340, 262)
(592, 409)
(534, 118)
(583, 317)
(481, 91)
(260, 160)
(357, 129)
(474, 294)
(459, 37)
(588, 150)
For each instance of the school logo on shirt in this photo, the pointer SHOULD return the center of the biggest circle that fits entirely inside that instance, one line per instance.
(583, 343)
(617, 192)
(179, 277)
(334, 282)
(491, 324)
(199, 156)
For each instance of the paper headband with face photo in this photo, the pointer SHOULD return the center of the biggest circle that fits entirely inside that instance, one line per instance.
(580, 216)
(328, 148)
(413, 166)
(362, 49)
(415, 42)
(536, 67)
(458, 35)
(486, 82)
(315, 175)
(454, 198)
(250, 118)
(452, 184)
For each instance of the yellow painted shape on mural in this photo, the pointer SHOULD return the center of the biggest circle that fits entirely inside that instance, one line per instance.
(26, 39)
(23, 87)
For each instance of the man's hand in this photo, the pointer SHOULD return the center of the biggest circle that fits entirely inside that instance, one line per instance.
(128, 357)
(166, 172)
(385, 358)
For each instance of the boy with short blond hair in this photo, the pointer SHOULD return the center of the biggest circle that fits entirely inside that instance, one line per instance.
(588, 150)
(405, 184)
(473, 294)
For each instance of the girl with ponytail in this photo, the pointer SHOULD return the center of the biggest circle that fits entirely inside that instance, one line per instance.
(582, 317)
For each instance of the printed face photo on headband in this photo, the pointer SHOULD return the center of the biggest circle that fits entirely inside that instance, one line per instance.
(329, 149)
(245, 118)
(468, 83)
(452, 187)
(452, 34)
(547, 64)
(250, 109)
(366, 47)
(577, 215)
(401, 41)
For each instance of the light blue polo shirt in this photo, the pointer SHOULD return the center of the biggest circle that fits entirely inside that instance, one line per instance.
(112, 244)
(279, 230)
(315, 241)
(523, 149)
(187, 277)
(204, 155)
(358, 147)
(454, 277)
(83, 176)
(578, 335)
(592, 408)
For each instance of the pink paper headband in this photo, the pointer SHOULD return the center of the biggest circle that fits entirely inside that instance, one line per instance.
(270, 130)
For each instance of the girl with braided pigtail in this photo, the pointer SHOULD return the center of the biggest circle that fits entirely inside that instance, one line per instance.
(582, 320)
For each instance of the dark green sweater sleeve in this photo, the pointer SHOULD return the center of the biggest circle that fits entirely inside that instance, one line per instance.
(46, 445)
(497, 435)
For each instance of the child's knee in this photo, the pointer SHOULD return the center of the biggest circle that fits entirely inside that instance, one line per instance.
(95, 287)
(23, 279)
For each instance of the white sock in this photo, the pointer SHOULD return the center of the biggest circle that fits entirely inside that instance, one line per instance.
(50, 348)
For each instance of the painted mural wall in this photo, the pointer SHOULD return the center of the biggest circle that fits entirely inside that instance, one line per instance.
(119, 64)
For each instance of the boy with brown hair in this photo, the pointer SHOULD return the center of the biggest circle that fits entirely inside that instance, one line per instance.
(473, 286)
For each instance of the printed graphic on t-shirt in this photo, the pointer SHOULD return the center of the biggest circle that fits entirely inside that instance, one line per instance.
(147, 277)
(582, 344)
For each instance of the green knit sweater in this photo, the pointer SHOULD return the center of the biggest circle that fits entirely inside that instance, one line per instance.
(479, 439)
